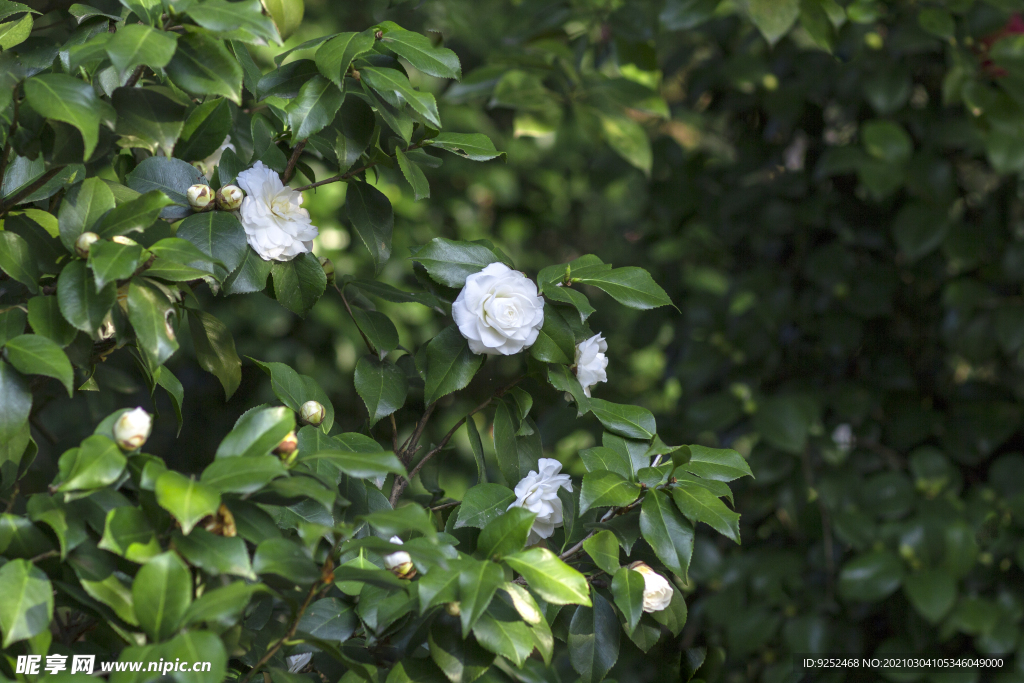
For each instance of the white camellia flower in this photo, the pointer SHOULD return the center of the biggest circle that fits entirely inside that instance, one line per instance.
(499, 311)
(132, 429)
(538, 493)
(275, 224)
(399, 563)
(591, 362)
(657, 589)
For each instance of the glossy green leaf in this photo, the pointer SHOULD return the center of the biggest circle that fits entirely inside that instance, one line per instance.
(718, 464)
(153, 319)
(203, 66)
(932, 592)
(450, 364)
(285, 558)
(73, 101)
(135, 44)
(632, 422)
(202, 133)
(482, 504)
(394, 87)
(113, 261)
(242, 476)
(162, 593)
(628, 594)
(511, 639)
(215, 554)
(96, 463)
(594, 640)
(313, 108)
(668, 533)
(473, 146)
(450, 262)
(127, 532)
(294, 389)
(221, 606)
(215, 349)
(334, 57)
(370, 214)
(606, 489)
(15, 404)
(603, 549)
(186, 499)
(32, 354)
(507, 534)
(417, 49)
(413, 175)
(552, 579)
(257, 432)
(173, 177)
(381, 385)
(633, 287)
(699, 504)
(26, 601)
(16, 260)
(299, 283)
(871, 577)
(773, 18)
(478, 581)
(81, 209)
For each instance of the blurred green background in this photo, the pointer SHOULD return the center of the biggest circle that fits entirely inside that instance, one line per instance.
(839, 218)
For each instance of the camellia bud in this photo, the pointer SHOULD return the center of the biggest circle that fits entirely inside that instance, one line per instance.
(657, 589)
(399, 563)
(85, 242)
(453, 609)
(200, 197)
(288, 447)
(132, 429)
(328, 267)
(229, 198)
(312, 413)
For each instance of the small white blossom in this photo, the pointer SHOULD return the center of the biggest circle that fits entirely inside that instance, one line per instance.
(84, 243)
(843, 438)
(396, 559)
(297, 663)
(657, 589)
(275, 224)
(591, 362)
(538, 493)
(132, 429)
(499, 311)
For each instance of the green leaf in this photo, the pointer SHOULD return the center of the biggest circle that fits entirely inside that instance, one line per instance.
(563, 379)
(185, 498)
(133, 216)
(98, 462)
(171, 176)
(938, 22)
(26, 601)
(886, 141)
(552, 579)
(394, 87)
(73, 101)
(511, 639)
(229, 475)
(413, 175)
(603, 549)
(146, 10)
(633, 287)
(773, 18)
(299, 283)
(222, 606)
(601, 458)
(606, 489)
(718, 464)
(214, 554)
(32, 354)
(871, 577)
(115, 595)
(417, 49)
(203, 66)
(784, 421)
(334, 57)
(203, 132)
(668, 533)
(15, 405)
(361, 464)
(127, 532)
(218, 235)
(135, 44)
(450, 262)
(378, 328)
(313, 109)
(478, 581)
(932, 592)
(257, 432)
(353, 129)
(251, 274)
(328, 619)
(113, 261)
(147, 118)
(287, 559)
(12, 321)
(632, 422)
(45, 318)
(628, 593)
(222, 17)
(699, 504)
(162, 593)
(507, 534)
(629, 140)
(82, 207)
(462, 660)
(151, 315)
(16, 260)
(15, 32)
(178, 260)
(450, 364)
(381, 385)
(482, 504)
(919, 228)
(594, 640)
(287, 15)
(475, 146)
(516, 454)
(175, 391)
(555, 343)
(286, 81)
(215, 350)
(294, 389)
(371, 215)
(815, 20)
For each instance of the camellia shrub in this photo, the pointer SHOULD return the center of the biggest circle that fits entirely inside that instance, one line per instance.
(149, 161)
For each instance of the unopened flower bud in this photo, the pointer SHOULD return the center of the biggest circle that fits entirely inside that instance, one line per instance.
(121, 239)
(200, 197)
(85, 242)
(399, 563)
(657, 589)
(132, 429)
(289, 446)
(229, 198)
(312, 413)
(328, 267)
(453, 609)
(222, 523)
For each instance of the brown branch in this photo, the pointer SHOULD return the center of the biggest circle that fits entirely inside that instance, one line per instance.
(134, 78)
(348, 308)
(289, 171)
(345, 176)
(613, 512)
(394, 434)
(286, 637)
(43, 179)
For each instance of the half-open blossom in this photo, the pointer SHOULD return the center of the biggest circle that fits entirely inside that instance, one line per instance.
(657, 589)
(591, 362)
(538, 493)
(499, 311)
(275, 223)
(399, 563)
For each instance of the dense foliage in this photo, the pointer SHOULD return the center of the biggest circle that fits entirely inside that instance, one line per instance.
(145, 169)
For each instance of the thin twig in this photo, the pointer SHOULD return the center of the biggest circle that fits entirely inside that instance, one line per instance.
(14, 496)
(613, 512)
(350, 174)
(394, 434)
(286, 637)
(134, 78)
(289, 170)
(43, 556)
(43, 179)
(348, 308)
(445, 506)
